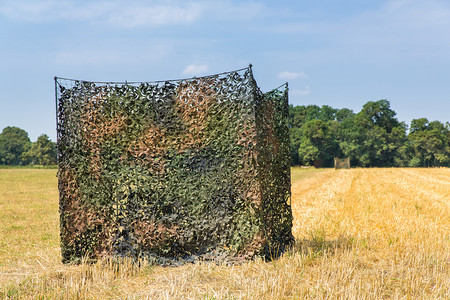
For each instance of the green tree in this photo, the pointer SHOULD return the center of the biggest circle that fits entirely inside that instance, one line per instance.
(430, 143)
(344, 114)
(327, 113)
(373, 137)
(41, 152)
(309, 146)
(295, 135)
(377, 113)
(13, 143)
(400, 145)
(419, 125)
(318, 144)
(299, 115)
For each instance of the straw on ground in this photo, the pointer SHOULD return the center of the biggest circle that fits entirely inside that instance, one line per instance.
(360, 233)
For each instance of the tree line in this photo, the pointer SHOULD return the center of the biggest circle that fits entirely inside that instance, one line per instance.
(16, 149)
(372, 137)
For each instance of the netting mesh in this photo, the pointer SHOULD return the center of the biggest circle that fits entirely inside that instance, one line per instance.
(342, 163)
(173, 171)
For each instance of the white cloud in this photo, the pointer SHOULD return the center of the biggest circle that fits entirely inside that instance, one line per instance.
(195, 70)
(291, 75)
(304, 92)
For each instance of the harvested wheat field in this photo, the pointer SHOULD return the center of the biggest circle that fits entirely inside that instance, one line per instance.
(360, 234)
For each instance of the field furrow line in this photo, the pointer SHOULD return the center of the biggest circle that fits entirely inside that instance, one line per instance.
(430, 177)
(312, 205)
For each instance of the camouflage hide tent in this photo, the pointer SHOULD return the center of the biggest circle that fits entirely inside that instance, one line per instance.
(342, 163)
(173, 171)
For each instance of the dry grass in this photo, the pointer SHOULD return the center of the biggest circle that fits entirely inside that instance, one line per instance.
(361, 234)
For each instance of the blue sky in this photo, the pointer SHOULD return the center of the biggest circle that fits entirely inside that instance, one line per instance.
(340, 53)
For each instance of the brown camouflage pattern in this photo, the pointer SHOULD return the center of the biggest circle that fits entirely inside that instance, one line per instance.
(342, 163)
(174, 171)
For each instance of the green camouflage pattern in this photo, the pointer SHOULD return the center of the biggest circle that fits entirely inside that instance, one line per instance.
(173, 171)
(341, 163)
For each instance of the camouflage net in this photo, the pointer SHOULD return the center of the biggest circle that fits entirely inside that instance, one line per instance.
(342, 163)
(173, 171)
